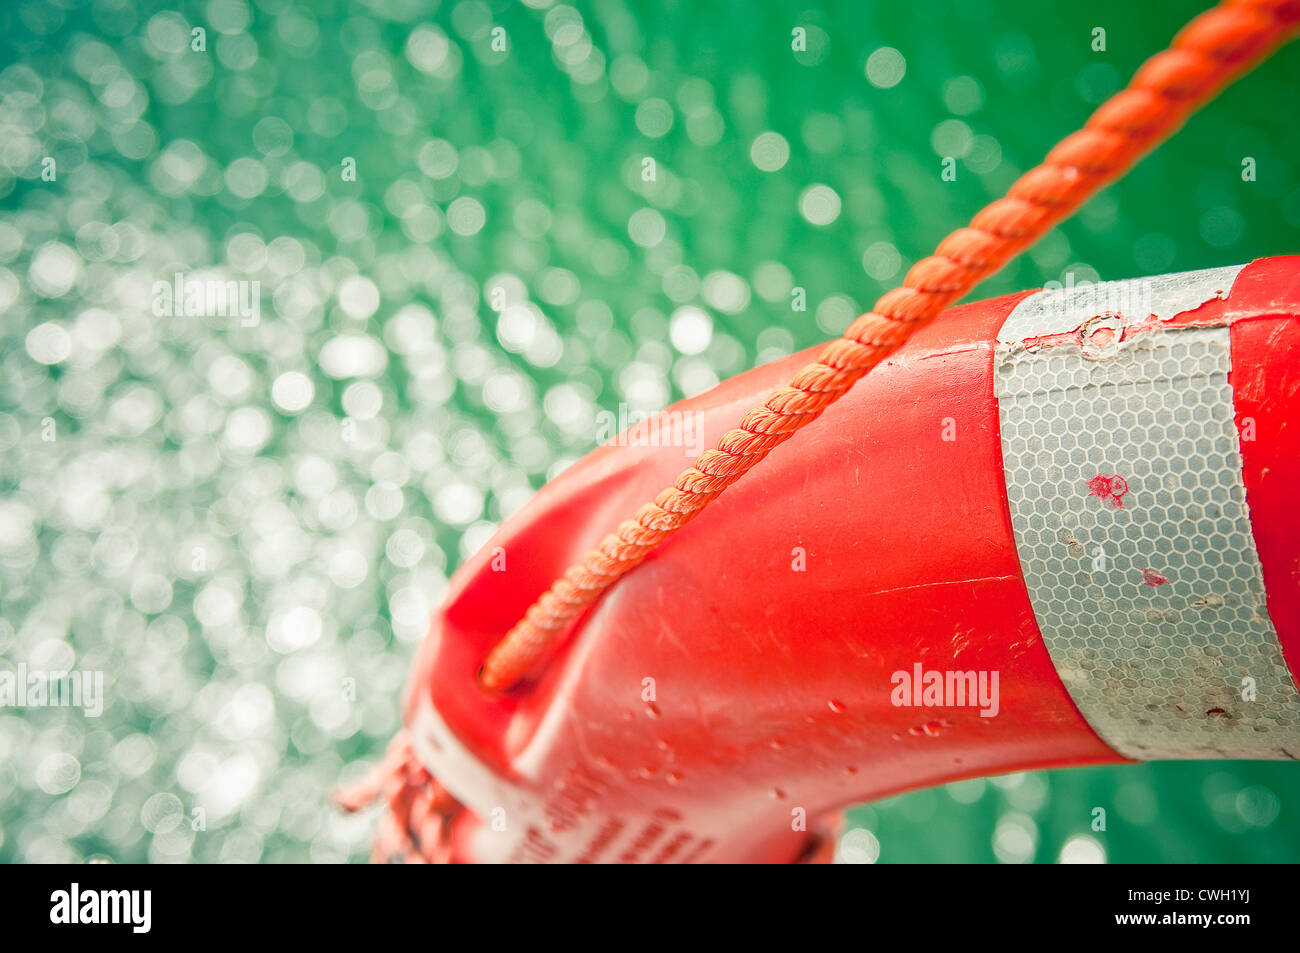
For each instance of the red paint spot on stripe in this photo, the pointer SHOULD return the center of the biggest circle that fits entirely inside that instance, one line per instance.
(1109, 488)
(1152, 578)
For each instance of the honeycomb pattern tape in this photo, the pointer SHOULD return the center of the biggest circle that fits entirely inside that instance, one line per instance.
(1129, 512)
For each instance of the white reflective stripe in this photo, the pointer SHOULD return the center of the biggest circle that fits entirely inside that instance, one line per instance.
(1124, 483)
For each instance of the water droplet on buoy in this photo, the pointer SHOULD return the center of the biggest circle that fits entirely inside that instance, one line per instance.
(673, 777)
(778, 794)
(930, 728)
(837, 706)
(652, 709)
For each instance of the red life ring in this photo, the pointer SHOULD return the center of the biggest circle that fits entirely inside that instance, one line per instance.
(1030, 539)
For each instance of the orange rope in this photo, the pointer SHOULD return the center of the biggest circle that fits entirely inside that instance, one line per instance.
(1210, 52)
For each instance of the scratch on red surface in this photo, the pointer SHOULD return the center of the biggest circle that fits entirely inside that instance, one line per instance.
(1050, 340)
(1109, 488)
